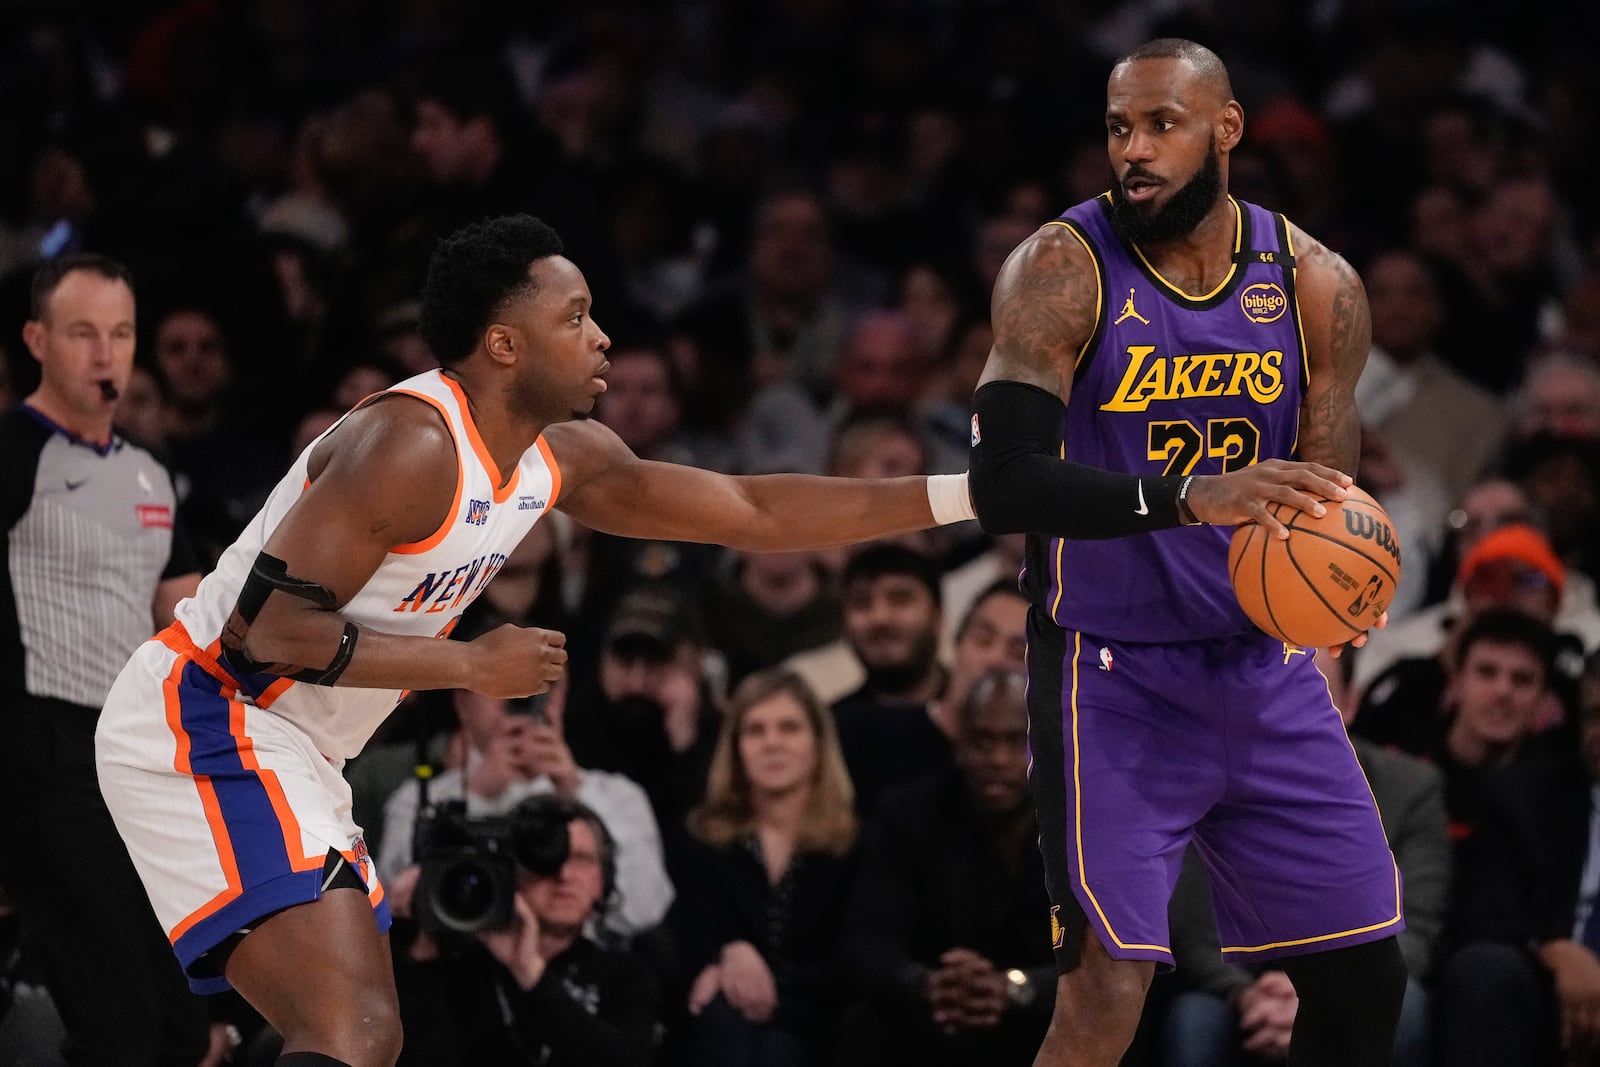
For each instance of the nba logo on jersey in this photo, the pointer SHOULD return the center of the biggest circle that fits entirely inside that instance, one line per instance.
(976, 436)
(1105, 658)
(477, 512)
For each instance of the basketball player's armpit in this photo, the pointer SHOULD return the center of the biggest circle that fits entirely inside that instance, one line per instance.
(269, 575)
(1020, 484)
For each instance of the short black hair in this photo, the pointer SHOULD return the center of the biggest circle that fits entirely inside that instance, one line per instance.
(998, 587)
(473, 274)
(1206, 63)
(883, 559)
(51, 273)
(1504, 626)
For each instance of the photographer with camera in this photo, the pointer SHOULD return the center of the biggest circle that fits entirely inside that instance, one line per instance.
(505, 752)
(505, 967)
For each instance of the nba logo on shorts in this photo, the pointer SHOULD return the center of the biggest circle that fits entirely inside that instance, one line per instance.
(1105, 658)
(477, 512)
(1058, 936)
(976, 436)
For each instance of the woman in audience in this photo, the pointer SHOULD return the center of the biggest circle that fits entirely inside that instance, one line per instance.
(763, 882)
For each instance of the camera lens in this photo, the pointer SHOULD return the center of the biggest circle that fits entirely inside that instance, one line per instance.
(466, 895)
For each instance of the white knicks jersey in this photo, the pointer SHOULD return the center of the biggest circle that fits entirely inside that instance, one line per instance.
(419, 589)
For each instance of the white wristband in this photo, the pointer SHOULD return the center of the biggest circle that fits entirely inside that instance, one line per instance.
(949, 499)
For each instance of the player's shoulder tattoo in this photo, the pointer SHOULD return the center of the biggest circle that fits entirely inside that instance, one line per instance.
(1046, 302)
(1349, 320)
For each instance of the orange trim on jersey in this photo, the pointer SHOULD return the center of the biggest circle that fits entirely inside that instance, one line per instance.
(438, 535)
(177, 638)
(273, 692)
(369, 874)
(555, 473)
(501, 493)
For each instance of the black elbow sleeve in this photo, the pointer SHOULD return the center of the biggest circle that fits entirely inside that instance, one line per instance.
(1020, 483)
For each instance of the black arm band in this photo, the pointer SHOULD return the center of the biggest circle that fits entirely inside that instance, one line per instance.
(1020, 484)
(341, 660)
(268, 575)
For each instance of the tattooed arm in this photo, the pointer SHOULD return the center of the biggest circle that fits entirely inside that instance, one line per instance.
(1338, 332)
(1046, 302)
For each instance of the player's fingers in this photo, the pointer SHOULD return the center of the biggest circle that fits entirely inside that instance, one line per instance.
(1332, 474)
(1288, 495)
(1268, 521)
(1322, 485)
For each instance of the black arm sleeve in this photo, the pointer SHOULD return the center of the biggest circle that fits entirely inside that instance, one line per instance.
(1020, 484)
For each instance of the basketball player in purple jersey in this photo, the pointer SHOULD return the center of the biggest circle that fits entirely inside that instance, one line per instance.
(1193, 339)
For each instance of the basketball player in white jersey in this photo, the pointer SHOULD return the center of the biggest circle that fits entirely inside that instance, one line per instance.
(221, 743)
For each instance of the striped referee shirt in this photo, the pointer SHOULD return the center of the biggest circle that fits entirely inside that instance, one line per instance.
(88, 535)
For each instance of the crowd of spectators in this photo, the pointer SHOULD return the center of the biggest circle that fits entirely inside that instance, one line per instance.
(804, 772)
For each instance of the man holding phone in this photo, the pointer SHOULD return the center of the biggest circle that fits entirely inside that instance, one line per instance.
(507, 750)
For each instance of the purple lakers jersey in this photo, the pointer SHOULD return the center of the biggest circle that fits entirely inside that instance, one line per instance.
(1173, 384)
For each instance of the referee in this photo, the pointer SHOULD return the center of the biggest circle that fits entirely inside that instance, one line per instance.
(92, 567)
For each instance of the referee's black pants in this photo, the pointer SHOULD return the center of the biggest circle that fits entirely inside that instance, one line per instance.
(85, 919)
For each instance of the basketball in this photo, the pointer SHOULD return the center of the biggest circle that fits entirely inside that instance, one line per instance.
(1331, 580)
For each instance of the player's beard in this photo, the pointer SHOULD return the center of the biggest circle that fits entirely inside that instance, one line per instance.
(1142, 224)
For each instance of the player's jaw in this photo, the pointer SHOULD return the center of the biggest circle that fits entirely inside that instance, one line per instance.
(1147, 208)
(595, 385)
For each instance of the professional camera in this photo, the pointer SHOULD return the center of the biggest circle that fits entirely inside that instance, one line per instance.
(469, 863)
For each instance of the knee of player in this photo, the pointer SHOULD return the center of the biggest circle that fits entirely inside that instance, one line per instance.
(365, 1033)
(381, 1032)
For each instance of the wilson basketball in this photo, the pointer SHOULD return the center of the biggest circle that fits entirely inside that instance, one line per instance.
(1331, 579)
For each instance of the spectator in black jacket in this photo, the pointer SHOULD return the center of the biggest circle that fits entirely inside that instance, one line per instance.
(949, 928)
(1524, 987)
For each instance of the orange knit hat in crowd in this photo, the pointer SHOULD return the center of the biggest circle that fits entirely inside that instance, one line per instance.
(1517, 543)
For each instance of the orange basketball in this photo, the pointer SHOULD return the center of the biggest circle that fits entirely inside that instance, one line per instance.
(1328, 582)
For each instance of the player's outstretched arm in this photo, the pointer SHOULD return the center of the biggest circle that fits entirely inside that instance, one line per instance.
(1045, 308)
(606, 487)
(386, 477)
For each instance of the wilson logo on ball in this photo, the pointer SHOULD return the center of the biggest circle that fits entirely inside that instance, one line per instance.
(1362, 525)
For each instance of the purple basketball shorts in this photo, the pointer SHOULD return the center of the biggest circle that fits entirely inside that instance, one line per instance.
(1232, 743)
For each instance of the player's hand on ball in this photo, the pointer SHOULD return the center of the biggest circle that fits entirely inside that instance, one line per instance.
(1243, 495)
(517, 661)
(1360, 639)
